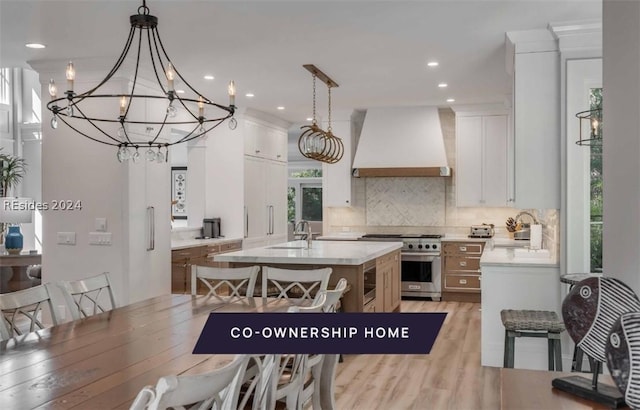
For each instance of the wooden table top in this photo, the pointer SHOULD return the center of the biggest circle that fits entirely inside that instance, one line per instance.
(531, 390)
(103, 361)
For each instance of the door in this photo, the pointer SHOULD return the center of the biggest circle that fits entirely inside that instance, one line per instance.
(255, 216)
(276, 185)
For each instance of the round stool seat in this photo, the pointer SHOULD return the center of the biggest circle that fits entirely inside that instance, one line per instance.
(534, 320)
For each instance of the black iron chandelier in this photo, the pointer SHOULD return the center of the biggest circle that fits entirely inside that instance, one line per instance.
(125, 120)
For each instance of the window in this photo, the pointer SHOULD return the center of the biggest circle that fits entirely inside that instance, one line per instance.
(595, 168)
(305, 195)
(5, 86)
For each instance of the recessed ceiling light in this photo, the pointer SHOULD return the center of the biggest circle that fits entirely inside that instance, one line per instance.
(432, 63)
(35, 45)
(180, 91)
(208, 77)
(281, 108)
(451, 100)
(249, 95)
(443, 85)
(309, 119)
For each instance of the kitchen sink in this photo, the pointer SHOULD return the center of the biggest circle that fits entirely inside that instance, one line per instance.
(286, 247)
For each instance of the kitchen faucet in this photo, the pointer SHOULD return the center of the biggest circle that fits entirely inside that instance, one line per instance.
(299, 230)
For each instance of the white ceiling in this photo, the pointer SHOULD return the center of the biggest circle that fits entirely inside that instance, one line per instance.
(377, 51)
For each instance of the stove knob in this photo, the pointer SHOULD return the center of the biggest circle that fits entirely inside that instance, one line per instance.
(419, 246)
(434, 246)
(410, 246)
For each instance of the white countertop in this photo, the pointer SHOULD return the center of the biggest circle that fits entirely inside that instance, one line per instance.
(321, 252)
(190, 243)
(507, 257)
(341, 236)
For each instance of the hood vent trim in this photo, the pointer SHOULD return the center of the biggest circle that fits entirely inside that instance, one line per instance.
(402, 172)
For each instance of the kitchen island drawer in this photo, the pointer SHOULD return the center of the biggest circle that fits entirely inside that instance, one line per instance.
(464, 263)
(462, 282)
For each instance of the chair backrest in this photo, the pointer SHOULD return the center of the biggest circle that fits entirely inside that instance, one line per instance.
(236, 279)
(317, 306)
(84, 297)
(334, 295)
(25, 306)
(285, 380)
(217, 388)
(5, 332)
(291, 283)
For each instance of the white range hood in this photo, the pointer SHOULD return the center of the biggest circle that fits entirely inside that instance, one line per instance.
(402, 141)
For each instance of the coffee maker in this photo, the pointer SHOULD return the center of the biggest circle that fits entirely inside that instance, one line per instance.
(211, 228)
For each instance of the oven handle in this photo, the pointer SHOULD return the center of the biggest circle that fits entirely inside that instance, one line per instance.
(416, 257)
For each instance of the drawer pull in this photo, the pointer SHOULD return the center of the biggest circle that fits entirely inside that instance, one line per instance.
(462, 281)
(463, 263)
(463, 249)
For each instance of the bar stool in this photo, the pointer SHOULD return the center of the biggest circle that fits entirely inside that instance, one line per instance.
(532, 323)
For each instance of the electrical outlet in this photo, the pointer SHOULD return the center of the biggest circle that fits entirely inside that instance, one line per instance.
(66, 238)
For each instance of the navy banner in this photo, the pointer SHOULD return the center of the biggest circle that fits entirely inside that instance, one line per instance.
(323, 333)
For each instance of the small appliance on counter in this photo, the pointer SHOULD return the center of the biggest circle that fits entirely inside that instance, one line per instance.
(481, 231)
(520, 229)
(210, 228)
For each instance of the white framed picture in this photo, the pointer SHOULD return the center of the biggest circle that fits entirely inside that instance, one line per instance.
(179, 192)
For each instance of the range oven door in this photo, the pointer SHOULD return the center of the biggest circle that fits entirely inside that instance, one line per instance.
(421, 275)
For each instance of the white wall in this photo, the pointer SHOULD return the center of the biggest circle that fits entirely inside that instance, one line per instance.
(621, 145)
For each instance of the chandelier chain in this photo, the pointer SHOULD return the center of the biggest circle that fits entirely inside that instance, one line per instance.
(329, 126)
(314, 100)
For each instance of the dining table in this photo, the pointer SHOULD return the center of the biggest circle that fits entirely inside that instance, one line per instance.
(103, 361)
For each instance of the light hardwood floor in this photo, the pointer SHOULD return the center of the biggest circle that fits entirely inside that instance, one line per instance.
(450, 377)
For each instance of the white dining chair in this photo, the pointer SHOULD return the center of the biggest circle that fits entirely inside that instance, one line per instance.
(86, 297)
(236, 279)
(5, 332)
(218, 389)
(284, 380)
(294, 283)
(334, 295)
(316, 307)
(25, 307)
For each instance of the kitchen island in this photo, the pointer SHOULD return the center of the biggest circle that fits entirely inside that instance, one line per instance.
(372, 269)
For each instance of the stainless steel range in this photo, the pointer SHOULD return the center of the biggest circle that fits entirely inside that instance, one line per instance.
(421, 268)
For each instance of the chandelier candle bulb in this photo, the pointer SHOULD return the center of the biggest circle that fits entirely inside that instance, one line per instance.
(200, 106)
(123, 105)
(71, 75)
(171, 74)
(232, 93)
(53, 89)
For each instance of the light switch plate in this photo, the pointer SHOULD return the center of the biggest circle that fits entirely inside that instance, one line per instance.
(100, 238)
(101, 224)
(66, 238)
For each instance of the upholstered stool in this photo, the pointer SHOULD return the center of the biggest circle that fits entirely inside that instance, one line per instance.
(532, 323)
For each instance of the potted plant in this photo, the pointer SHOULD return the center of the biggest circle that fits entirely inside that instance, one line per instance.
(12, 170)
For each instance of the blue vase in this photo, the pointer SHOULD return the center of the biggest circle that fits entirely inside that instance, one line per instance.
(13, 240)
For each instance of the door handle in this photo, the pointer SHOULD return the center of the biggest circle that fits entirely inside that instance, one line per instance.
(246, 222)
(151, 222)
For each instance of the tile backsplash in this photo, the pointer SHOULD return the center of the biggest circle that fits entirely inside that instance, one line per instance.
(405, 201)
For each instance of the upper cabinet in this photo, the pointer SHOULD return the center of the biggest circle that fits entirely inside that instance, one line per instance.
(264, 141)
(534, 61)
(481, 160)
(336, 178)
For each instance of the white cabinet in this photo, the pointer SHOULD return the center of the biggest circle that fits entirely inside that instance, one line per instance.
(336, 178)
(536, 163)
(481, 160)
(265, 141)
(265, 214)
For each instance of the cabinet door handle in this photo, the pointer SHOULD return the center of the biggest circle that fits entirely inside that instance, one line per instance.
(151, 219)
(463, 249)
(462, 281)
(463, 263)
(246, 222)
